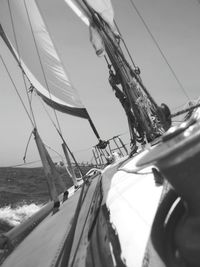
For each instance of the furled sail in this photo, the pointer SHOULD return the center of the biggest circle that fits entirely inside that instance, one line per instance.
(104, 9)
(80, 10)
(26, 35)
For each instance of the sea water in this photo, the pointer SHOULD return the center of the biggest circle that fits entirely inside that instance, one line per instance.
(23, 191)
(11, 217)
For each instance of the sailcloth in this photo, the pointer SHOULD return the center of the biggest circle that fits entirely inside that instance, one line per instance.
(104, 9)
(26, 34)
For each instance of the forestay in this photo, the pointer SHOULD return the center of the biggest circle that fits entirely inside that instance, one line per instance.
(27, 34)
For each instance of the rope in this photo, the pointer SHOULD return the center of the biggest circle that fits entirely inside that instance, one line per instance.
(121, 37)
(48, 114)
(137, 78)
(29, 139)
(17, 91)
(175, 108)
(37, 50)
(185, 111)
(27, 163)
(40, 61)
(24, 164)
(61, 136)
(22, 71)
(160, 50)
(108, 64)
(54, 151)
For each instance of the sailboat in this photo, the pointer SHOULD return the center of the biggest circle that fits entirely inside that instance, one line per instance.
(102, 220)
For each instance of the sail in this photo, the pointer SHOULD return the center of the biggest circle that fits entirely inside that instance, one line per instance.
(102, 7)
(105, 9)
(80, 10)
(26, 35)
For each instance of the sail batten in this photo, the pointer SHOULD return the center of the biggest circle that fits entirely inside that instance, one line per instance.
(44, 68)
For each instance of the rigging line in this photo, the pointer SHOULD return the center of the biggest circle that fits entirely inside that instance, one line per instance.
(184, 111)
(40, 61)
(160, 50)
(24, 106)
(121, 55)
(26, 149)
(49, 116)
(54, 151)
(121, 37)
(178, 106)
(61, 136)
(27, 163)
(24, 164)
(108, 64)
(22, 71)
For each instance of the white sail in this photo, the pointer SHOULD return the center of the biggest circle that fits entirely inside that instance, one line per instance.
(80, 10)
(102, 7)
(105, 9)
(38, 56)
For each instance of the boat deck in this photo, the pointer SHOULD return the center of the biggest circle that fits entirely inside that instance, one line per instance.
(114, 222)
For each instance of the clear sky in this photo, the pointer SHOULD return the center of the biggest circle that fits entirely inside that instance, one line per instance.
(175, 25)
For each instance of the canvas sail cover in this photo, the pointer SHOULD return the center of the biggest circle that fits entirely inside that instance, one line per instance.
(27, 36)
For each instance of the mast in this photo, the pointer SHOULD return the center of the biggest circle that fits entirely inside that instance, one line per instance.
(146, 119)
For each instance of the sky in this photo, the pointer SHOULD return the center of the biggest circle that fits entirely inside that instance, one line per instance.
(174, 23)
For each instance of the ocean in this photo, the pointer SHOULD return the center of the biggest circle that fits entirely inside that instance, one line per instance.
(23, 191)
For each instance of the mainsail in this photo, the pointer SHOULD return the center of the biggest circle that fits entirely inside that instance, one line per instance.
(23, 28)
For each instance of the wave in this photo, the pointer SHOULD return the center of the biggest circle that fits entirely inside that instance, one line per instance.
(10, 217)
